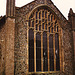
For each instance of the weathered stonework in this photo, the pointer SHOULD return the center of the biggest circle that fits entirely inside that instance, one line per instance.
(10, 32)
(21, 17)
(14, 35)
(21, 47)
(2, 46)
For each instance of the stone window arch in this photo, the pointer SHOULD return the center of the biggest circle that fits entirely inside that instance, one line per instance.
(44, 49)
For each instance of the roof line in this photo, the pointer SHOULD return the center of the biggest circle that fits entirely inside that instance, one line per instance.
(51, 2)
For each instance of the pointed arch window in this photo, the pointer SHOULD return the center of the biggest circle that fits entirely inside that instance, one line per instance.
(44, 51)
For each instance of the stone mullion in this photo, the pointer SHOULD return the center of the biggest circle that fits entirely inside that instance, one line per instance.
(60, 54)
(48, 50)
(38, 20)
(42, 52)
(62, 51)
(50, 17)
(54, 52)
(48, 44)
(56, 27)
(35, 43)
(38, 15)
(34, 51)
(44, 19)
(54, 49)
(41, 46)
(38, 28)
(27, 47)
(31, 23)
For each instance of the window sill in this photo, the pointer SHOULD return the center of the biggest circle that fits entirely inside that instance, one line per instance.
(43, 72)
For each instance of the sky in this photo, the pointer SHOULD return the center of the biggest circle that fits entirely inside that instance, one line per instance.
(63, 5)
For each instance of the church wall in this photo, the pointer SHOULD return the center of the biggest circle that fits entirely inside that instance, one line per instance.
(21, 40)
(2, 47)
(6, 59)
(68, 52)
(9, 65)
(74, 49)
(20, 46)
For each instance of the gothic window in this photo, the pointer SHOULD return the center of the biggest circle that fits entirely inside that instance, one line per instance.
(44, 51)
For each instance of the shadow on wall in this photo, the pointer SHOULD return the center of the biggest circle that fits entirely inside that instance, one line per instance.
(2, 21)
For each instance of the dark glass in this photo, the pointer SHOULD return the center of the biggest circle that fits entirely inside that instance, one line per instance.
(39, 15)
(46, 21)
(31, 16)
(57, 52)
(55, 21)
(42, 20)
(52, 30)
(39, 22)
(45, 57)
(36, 27)
(51, 53)
(46, 26)
(33, 24)
(49, 29)
(49, 23)
(39, 27)
(51, 18)
(38, 52)
(48, 17)
(57, 28)
(31, 50)
(36, 21)
(45, 14)
(29, 23)
(43, 26)
(42, 13)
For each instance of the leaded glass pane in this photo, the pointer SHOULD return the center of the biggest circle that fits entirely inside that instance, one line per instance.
(31, 51)
(51, 53)
(38, 52)
(57, 52)
(45, 54)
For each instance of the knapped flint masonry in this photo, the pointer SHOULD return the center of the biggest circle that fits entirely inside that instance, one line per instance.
(36, 39)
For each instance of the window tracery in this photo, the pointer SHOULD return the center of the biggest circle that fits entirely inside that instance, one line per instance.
(43, 41)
